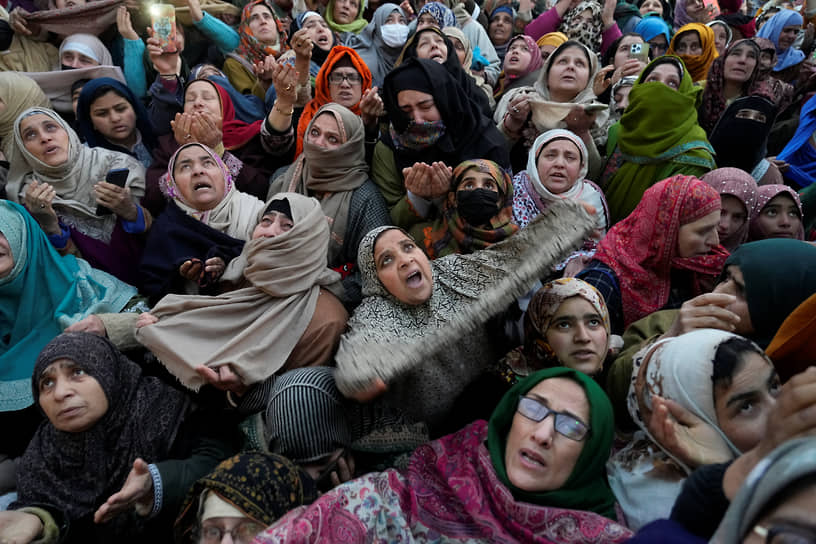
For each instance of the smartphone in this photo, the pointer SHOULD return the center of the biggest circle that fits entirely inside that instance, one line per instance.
(117, 177)
(712, 7)
(639, 51)
(163, 21)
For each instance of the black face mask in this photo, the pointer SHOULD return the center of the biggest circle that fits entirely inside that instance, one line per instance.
(477, 206)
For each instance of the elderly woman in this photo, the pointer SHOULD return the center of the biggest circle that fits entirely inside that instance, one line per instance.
(421, 330)
(242, 496)
(658, 138)
(110, 116)
(731, 76)
(42, 293)
(719, 379)
(486, 482)
(204, 113)
(262, 34)
(782, 29)
(476, 212)
(333, 169)
(433, 126)
(281, 315)
(205, 225)
(114, 441)
(637, 275)
(559, 99)
(738, 194)
(63, 184)
(776, 214)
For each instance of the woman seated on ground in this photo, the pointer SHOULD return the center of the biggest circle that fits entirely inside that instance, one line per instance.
(489, 477)
(520, 67)
(658, 137)
(421, 332)
(63, 184)
(694, 43)
(43, 293)
(738, 195)
(476, 212)
(381, 42)
(432, 44)
(434, 126)
(636, 274)
(136, 444)
(281, 313)
(208, 117)
(776, 214)
(262, 34)
(706, 377)
(109, 115)
(587, 22)
(242, 496)
(205, 225)
(333, 169)
(557, 100)
(731, 76)
(781, 29)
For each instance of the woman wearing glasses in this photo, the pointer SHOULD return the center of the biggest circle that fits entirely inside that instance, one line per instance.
(534, 473)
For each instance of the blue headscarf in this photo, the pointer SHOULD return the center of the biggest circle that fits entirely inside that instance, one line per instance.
(650, 27)
(443, 15)
(503, 8)
(86, 129)
(773, 28)
(799, 154)
(44, 293)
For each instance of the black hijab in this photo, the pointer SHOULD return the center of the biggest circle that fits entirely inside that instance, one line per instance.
(469, 133)
(740, 136)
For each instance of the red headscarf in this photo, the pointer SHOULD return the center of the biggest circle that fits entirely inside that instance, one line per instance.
(323, 92)
(642, 249)
(236, 133)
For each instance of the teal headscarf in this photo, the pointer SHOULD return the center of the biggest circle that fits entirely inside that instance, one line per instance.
(44, 293)
(587, 487)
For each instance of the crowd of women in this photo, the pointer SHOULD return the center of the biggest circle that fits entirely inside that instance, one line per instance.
(442, 271)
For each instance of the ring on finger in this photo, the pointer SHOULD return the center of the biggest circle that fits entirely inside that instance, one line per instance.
(515, 109)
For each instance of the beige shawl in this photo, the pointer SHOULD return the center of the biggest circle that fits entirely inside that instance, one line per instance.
(26, 55)
(94, 18)
(253, 329)
(18, 93)
(331, 175)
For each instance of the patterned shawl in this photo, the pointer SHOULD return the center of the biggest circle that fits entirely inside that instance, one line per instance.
(453, 234)
(389, 339)
(714, 101)
(739, 184)
(44, 293)
(509, 81)
(250, 49)
(331, 175)
(77, 472)
(588, 33)
(322, 89)
(253, 329)
(263, 486)
(443, 15)
(642, 249)
(766, 193)
(237, 213)
(450, 493)
(73, 180)
(697, 65)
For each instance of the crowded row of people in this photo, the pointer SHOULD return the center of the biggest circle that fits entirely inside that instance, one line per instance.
(429, 272)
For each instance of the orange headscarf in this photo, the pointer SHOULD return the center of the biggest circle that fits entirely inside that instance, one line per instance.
(322, 91)
(697, 65)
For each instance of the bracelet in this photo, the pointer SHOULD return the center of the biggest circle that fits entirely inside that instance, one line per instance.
(168, 76)
(287, 113)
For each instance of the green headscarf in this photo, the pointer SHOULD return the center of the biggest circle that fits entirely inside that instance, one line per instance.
(586, 488)
(354, 27)
(779, 275)
(659, 137)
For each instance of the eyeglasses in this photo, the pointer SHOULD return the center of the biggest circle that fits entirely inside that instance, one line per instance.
(243, 533)
(337, 78)
(786, 534)
(565, 424)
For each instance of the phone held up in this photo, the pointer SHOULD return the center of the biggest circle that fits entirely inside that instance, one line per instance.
(116, 177)
(163, 21)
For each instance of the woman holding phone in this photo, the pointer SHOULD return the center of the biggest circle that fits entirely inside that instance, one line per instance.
(64, 184)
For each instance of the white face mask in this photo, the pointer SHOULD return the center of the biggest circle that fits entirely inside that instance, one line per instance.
(394, 35)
